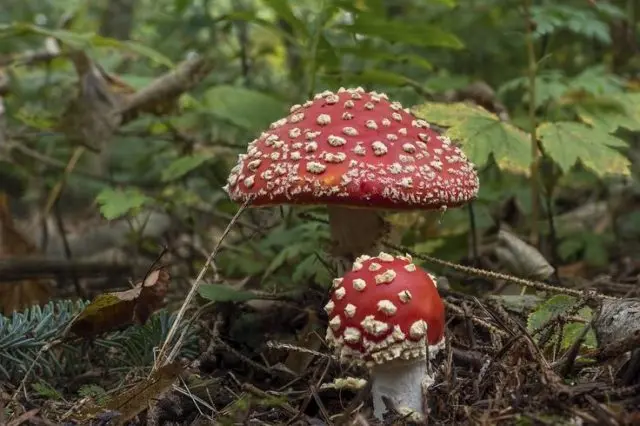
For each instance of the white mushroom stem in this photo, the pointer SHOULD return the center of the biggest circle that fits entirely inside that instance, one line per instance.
(354, 232)
(402, 383)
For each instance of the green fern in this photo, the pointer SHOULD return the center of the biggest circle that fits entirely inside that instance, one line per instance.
(97, 393)
(583, 21)
(23, 335)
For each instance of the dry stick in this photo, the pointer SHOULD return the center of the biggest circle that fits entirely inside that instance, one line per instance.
(57, 189)
(52, 162)
(476, 320)
(160, 360)
(538, 285)
(271, 344)
(170, 85)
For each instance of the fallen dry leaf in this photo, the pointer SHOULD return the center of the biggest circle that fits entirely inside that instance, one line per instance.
(128, 404)
(135, 400)
(114, 311)
(520, 258)
(18, 295)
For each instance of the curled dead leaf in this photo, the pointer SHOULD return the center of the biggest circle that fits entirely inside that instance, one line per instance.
(520, 258)
(114, 311)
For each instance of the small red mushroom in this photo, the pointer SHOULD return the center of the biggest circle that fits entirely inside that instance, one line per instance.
(353, 149)
(385, 313)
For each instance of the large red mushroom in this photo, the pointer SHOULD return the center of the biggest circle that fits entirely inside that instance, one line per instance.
(386, 313)
(358, 153)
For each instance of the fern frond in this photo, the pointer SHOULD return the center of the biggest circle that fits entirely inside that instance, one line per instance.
(24, 334)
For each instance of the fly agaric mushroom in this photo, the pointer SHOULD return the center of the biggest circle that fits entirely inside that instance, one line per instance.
(357, 152)
(386, 313)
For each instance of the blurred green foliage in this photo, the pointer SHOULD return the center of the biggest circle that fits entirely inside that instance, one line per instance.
(269, 54)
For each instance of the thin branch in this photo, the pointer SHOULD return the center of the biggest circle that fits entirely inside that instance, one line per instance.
(170, 85)
(36, 267)
(538, 285)
(163, 358)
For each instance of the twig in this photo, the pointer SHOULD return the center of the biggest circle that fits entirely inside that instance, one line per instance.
(170, 85)
(38, 267)
(59, 186)
(474, 232)
(67, 250)
(475, 320)
(52, 162)
(162, 358)
(289, 347)
(538, 285)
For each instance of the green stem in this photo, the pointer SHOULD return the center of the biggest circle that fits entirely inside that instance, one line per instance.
(532, 71)
(312, 59)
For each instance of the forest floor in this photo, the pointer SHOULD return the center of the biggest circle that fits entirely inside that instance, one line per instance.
(265, 362)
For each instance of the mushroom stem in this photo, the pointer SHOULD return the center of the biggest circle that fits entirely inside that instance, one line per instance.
(402, 383)
(354, 232)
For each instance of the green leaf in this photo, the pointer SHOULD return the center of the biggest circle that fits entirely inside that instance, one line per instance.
(380, 77)
(371, 52)
(403, 32)
(306, 268)
(558, 305)
(608, 114)
(609, 10)
(550, 18)
(115, 203)
(83, 41)
(448, 3)
(312, 267)
(223, 293)
(183, 165)
(281, 258)
(568, 142)
(481, 134)
(93, 391)
(631, 102)
(46, 390)
(245, 108)
(570, 247)
(597, 80)
(591, 245)
(549, 86)
(283, 10)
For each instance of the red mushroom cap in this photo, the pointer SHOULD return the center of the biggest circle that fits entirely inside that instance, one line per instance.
(385, 308)
(353, 148)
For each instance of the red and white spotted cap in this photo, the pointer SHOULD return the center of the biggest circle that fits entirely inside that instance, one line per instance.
(353, 148)
(385, 308)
